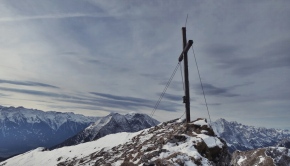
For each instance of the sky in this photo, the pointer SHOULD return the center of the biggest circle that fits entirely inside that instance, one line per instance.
(94, 57)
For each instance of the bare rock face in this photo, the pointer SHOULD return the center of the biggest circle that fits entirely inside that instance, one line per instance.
(170, 143)
(284, 143)
(270, 156)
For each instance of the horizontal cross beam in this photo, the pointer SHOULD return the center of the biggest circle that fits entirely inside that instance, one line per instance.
(187, 47)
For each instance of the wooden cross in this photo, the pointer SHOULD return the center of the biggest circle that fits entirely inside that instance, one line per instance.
(183, 55)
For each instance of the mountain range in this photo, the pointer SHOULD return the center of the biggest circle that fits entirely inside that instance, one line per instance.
(104, 141)
(169, 143)
(243, 137)
(23, 129)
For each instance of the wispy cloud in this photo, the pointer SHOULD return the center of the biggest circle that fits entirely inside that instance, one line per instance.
(39, 93)
(172, 97)
(99, 100)
(210, 89)
(27, 83)
(50, 16)
(122, 98)
(132, 103)
(3, 95)
(271, 55)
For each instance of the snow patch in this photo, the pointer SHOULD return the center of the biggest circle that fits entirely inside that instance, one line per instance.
(201, 122)
(180, 120)
(210, 141)
(261, 159)
(241, 159)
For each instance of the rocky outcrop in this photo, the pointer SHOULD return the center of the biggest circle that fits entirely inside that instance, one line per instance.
(270, 156)
(284, 143)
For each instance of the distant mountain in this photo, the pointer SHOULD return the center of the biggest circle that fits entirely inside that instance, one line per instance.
(2, 159)
(24, 129)
(269, 156)
(169, 143)
(242, 137)
(113, 123)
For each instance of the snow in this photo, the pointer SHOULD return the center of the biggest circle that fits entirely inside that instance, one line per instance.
(186, 147)
(38, 157)
(210, 141)
(241, 159)
(281, 149)
(189, 163)
(201, 122)
(180, 120)
(261, 159)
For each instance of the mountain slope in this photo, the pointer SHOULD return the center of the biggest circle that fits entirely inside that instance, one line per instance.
(269, 156)
(113, 123)
(170, 143)
(24, 129)
(243, 137)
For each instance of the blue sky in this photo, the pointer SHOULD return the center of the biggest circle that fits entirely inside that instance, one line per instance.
(93, 57)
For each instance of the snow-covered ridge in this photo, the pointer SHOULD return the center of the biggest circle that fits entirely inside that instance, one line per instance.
(54, 119)
(170, 143)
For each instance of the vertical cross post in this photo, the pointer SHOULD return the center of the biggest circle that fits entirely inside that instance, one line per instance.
(187, 97)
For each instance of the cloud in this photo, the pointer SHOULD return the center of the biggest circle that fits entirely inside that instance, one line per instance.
(27, 83)
(175, 85)
(93, 61)
(39, 93)
(132, 103)
(3, 95)
(172, 97)
(230, 57)
(102, 100)
(128, 48)
(51, 16)
(210, 89)
(121, 98)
